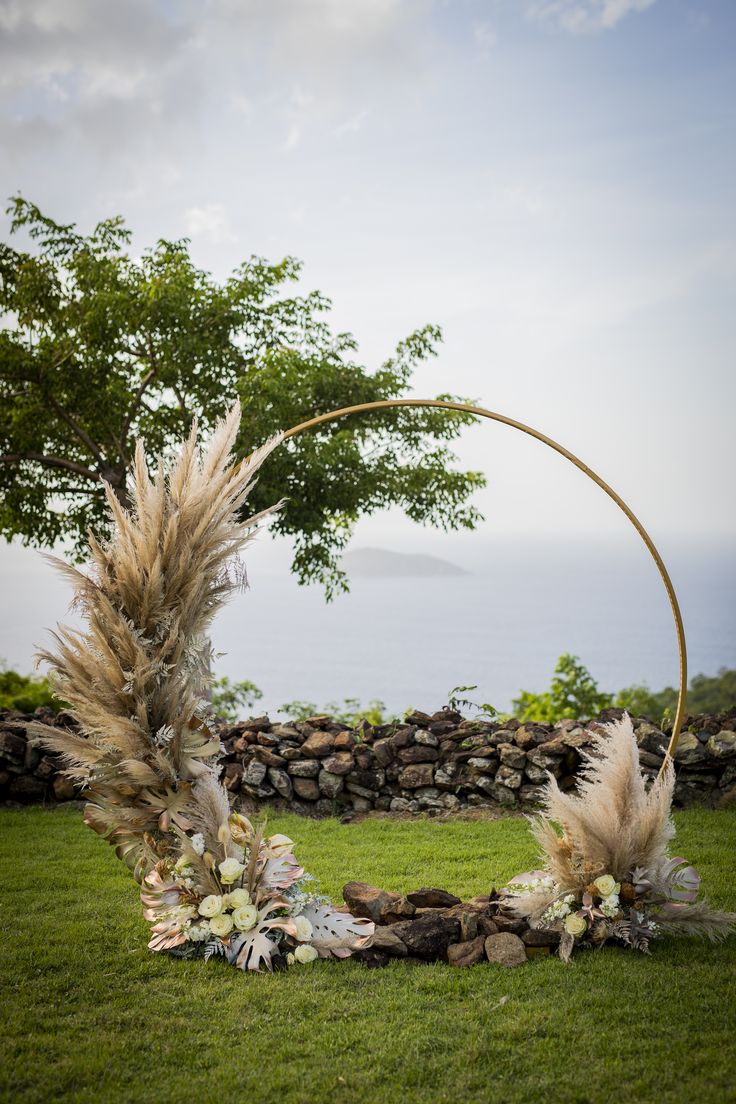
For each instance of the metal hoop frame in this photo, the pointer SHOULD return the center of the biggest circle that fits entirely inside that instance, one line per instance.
(481, 412)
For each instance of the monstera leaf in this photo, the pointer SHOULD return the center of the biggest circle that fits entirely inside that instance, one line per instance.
(279, 872)
(681, 880)
(248, 950)
(337, 933)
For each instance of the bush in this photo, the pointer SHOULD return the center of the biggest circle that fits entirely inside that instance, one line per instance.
(25, 693)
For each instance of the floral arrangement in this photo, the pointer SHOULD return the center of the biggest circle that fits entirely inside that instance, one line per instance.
(137, 679)
(608, 875)
(244, 896)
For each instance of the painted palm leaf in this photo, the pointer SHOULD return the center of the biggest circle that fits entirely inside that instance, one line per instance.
(337, 933)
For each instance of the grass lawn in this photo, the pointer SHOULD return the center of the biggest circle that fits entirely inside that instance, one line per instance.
(89, 1014)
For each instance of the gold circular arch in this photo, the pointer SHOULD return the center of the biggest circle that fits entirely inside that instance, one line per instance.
(481, 412)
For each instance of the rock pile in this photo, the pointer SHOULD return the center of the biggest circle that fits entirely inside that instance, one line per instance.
(434, 764)
(431, 925)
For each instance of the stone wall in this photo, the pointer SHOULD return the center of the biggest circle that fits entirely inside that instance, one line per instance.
(425, 764)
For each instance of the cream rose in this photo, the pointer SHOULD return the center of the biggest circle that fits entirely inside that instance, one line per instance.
(210, 906)
(606, 885)
(230, 871)
(236, 898)
(221, 925)
(305, 953)
(575, 924)
(303, 929)
(245, 917)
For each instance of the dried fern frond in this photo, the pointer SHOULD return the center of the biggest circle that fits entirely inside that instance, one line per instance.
(137, 673)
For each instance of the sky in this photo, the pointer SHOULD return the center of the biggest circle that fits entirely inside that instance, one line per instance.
(550, 181)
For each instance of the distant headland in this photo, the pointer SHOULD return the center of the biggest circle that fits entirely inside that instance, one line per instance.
(378, 563)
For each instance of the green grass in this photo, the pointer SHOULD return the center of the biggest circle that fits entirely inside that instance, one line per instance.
(91, 1015)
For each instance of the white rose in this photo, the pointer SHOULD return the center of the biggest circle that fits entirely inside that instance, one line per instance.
(236, 898)
(221, 925)
(210, 906)
(305, 953)
(245, 917)
(575, 924)
(197, 843)
(303, 929)
(230, 871)
(606, 885)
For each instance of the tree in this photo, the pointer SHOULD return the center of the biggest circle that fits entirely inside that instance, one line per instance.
(573, 693)
(101, 347)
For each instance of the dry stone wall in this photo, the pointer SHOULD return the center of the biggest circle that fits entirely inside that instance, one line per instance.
(433, 764)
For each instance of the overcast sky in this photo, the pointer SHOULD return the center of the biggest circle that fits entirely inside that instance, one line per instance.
(551, 181)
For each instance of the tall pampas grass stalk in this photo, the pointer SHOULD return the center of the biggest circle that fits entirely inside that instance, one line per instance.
(605, 854)
(137, 676)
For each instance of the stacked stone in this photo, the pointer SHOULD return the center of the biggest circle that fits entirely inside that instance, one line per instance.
(433, 764)
(443, 762)
(27, 774)
(431, 925)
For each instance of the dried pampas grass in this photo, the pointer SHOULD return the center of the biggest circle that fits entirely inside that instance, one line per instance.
(136, 677)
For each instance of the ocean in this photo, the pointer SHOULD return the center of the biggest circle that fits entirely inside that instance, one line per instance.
(501, 627)
(409, 641)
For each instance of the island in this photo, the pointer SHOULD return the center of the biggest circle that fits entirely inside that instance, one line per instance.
(378, 563)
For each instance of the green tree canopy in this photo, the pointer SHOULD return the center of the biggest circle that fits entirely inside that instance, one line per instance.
(101, 346)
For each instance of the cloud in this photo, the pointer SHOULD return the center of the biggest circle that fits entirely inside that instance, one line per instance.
(584, 16)
(210, 222)
(484, 36)
(353, 124)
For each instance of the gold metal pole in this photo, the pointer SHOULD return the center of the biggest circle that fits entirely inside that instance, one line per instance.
(386, 404)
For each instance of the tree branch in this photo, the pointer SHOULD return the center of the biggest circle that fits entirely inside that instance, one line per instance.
(147, 379)
(49, 462)
(81, 433)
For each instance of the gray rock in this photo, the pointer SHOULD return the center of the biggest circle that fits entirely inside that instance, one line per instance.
(361, 804)
(306, 788)
(512, 756)
(366, 900)
(416, 775)
(429, 935)
(689, 750)
(484, 765)
(428, 897)
(722, 745)
(428, 739)
(330, 784)
(505, 949)
(339, 763)
(281, 782)
(385, 939)
(403, 805)
(470, 952)
(254, 773)
(505, 776)
(304, 768)
(384, 751)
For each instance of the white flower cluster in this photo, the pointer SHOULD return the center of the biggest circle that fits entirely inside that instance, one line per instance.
(610, 905)
(559, 909)
(545, 882)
